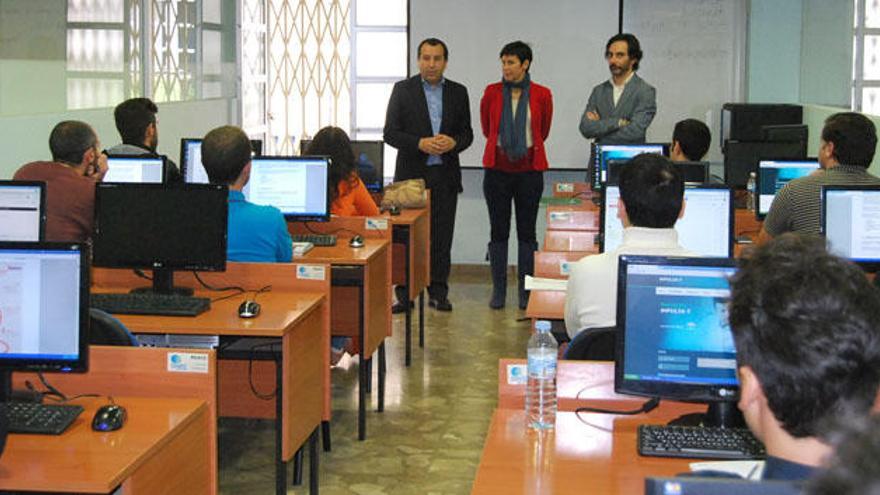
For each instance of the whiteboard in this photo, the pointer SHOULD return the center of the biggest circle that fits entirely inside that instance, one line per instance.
(568, 40)
(694, 54)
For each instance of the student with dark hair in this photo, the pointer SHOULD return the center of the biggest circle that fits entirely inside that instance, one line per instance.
(515, 115)
(854, 468)
(348, 195)
(651, 201)
(138, 126)
(805, 326)
(690, 141)
(255, 233)
(845, 152)
(77, 164)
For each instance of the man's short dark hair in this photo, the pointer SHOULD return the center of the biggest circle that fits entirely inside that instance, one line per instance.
(694, 138)
(69, 141)
(854, 468)
(652, 190)
(807, 324)
(433, 42)
(225, 152)
(854, 137)
(634, 48)
(133, 117)
(518, 49)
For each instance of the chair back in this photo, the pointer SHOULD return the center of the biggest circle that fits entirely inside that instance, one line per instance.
(107, 330)
(593, 344)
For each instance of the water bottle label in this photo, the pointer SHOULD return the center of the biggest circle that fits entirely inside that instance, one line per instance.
(542, 365)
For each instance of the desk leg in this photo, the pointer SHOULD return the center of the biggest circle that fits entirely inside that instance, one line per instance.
(313, 463)
(362, 371)
(408, 322)
(369, 365)
(325, 433)
(280, 465)
(422, 319)
(381, 377)
(298, 467)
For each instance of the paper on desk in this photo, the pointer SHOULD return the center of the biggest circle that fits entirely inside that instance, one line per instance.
(539, 283)
(750, 470)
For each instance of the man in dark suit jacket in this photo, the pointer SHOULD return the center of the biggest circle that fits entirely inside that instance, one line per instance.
(429, 122)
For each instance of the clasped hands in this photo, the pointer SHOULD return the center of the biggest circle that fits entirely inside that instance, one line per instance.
(436, 145)
(591, 115)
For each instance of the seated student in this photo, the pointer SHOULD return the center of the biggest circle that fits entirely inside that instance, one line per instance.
(651, 201)
(805, 326)
(77, 164)
(348, 195)
(854, 469)
(690, 141)
(256, 233)
(138, 127)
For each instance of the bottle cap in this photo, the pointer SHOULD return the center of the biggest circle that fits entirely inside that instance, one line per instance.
(542, 325)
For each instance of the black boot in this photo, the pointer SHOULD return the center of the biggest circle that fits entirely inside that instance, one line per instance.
(498, 262)
(525, 266)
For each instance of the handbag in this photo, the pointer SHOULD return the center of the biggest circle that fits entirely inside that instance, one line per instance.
(405, 194)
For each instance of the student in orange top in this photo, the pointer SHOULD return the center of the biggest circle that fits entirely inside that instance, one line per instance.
(348, 195)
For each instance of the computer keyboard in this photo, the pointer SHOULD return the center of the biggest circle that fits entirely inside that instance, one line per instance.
(44, 419)
(699, 442)
(316, 239)
(151, 304)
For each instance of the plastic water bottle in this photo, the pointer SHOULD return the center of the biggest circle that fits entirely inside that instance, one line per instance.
(541, 386)
(751, 188)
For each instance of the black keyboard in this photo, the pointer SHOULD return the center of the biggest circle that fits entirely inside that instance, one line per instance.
(699, 442)
(151, 304)
(316, 239)
(44, 419)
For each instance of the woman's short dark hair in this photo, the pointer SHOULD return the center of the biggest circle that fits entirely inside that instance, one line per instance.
(652, 190)
(854, 137)
(518, 49)
(634, 49)
(225, 152)
(70, 140)
(334, 142)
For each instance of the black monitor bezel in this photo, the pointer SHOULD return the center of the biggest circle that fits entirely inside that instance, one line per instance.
(761, 216)
(374, 188)
(293, 217)
(596, 180)
(82, 361)
(161, 158)
(869, 266)
(664, 390)
(184, 161)
(43, 215)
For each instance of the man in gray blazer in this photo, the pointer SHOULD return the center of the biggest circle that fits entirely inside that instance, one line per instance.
(620, 110)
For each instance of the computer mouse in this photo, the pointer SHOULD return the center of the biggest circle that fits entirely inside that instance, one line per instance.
(248, 309)
(394, 210)
(356, 241)
(110, 417)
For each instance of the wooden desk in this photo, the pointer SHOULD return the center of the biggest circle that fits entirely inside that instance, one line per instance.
(571, 241)
(584, 217)
(572, 190)
(745, 224)
(412, 265)
(162, 449)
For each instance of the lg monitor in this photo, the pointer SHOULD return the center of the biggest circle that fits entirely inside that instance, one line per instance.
(692, 172)
(191, 159)
(741, 159)
(673, 337)
(22, 211)
(605, 154)
(773, 175)
(44, 310)
(369, 158)
(851, 223)
(128, 168)
(164, 228)
(296, 185)
(706, 227)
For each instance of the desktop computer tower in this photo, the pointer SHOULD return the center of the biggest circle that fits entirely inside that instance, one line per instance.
(744, 121)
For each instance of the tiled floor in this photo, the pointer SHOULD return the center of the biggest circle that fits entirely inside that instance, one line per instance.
(429, 439)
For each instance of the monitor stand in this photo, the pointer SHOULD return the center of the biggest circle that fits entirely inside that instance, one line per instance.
(724, 414)
(163, 283)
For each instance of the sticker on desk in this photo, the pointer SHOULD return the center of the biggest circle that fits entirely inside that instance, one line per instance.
(517, 374)
(187, 362)
(311, 272)
(560, 216)
(376, 223)
(564, 267)
(565, 187)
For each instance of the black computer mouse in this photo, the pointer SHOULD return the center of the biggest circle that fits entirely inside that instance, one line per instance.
(109, 418)
(356, 241)
(248, 309)
(394, 210)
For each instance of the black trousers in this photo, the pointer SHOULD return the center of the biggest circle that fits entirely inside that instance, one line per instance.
(444, 201)
(524, 189)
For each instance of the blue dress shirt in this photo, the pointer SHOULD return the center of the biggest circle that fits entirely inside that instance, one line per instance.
(256, 233)
(434, 95)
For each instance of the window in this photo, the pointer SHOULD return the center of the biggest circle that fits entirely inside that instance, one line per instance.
(866, 57)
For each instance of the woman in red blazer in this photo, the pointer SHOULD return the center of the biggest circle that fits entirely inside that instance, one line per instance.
(515, 115)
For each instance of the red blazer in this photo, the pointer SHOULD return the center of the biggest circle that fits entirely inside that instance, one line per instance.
(541, 106)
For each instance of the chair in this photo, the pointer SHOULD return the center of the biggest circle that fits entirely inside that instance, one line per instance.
(593, 344)
(105, 329)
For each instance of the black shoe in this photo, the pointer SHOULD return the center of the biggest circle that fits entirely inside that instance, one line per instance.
(440, 304)
(400, 307)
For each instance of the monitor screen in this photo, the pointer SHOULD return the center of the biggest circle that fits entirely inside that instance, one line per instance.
(706, 227)
(370, 160)
(774, 174)
(145, 169)
(673, 338)
(22, 211)
(191, 159)
(613, 154)
(851, 223)
(44, 309)
(296, 185)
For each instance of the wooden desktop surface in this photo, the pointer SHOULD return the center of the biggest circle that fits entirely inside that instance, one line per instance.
(583, 217)
(418, 223)
(162, 448)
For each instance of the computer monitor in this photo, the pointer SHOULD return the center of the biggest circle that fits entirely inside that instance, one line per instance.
(851, 223)
(603, 154)
(692, 484)
(22, 210)
(673, 337)
(165, 228)
(706, 227)
(370, 160)
(773, 175)
(693, 172)
(130, 168)
(191, 159)
(44, 311)
(296, 185)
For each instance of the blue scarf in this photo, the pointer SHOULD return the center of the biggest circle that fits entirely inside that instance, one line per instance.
(513, 131)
